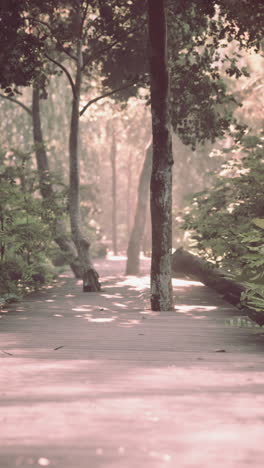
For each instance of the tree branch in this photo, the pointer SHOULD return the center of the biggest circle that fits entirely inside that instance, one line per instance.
(85, 10)
(109, 93)
(47, 25)
(67, 73)
(9, 98)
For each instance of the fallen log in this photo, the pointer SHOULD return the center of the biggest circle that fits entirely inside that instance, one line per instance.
(184, 262)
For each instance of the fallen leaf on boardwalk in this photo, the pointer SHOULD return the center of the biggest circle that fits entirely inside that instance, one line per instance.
(58, 347)
(5, 352)
(220, 351)
(141, 333)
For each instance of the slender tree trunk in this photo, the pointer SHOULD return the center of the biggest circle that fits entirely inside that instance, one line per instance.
(90, 276)
(146, 244)
(137, 233)
(114, 208)
(128, 207)
(39, 145)
(161, 177)
(46, 190)
(2, 245)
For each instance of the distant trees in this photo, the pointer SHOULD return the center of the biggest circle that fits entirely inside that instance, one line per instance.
(52, 31)
(113, 156)
(79, 33)
(45, 179)
(137, 232)
(92, 41)
(131, 127)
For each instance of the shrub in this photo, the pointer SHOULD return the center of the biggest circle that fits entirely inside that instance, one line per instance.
(227, 221)
(25, 227)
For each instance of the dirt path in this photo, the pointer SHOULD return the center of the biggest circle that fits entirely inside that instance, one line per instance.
(99, 381)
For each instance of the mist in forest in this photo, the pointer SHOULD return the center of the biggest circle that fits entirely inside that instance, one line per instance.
(112, 144)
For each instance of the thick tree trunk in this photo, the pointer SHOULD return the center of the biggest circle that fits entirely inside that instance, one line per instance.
(137, 233)
(46, 189)
(90, 276)
(114, 208)
(184, 262)
(161, 177)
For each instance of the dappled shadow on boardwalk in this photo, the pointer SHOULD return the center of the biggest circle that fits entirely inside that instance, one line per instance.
(119, 318)
(97, 379)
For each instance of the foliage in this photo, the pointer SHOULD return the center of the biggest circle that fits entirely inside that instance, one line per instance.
(199, 33)
(20, 47)
(115, 52)
(25, 227)
(114, 38)
(227, 220)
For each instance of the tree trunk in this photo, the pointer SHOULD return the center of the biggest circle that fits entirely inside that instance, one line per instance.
(114, 211)
(146, 244)
(161, 177)
(128, 204)
(67, 248)
(184, 262)
(39, 145)
(137, 233)
(90, 276)
(46, 189)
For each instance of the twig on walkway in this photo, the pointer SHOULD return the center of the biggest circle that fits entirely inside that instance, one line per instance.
(5, 352)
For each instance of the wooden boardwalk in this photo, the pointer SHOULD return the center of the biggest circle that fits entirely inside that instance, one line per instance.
(99, 381)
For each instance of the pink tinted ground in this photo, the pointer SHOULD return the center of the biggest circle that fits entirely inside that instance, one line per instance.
(98, 380)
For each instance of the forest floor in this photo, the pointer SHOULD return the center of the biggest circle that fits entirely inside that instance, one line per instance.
(97, 380)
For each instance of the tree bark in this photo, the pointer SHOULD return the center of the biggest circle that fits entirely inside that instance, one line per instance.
(89, 274)
(161, 177)
(137, 233)
(46, 189)
(184, 262)
(39, 145)
(114, 208)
